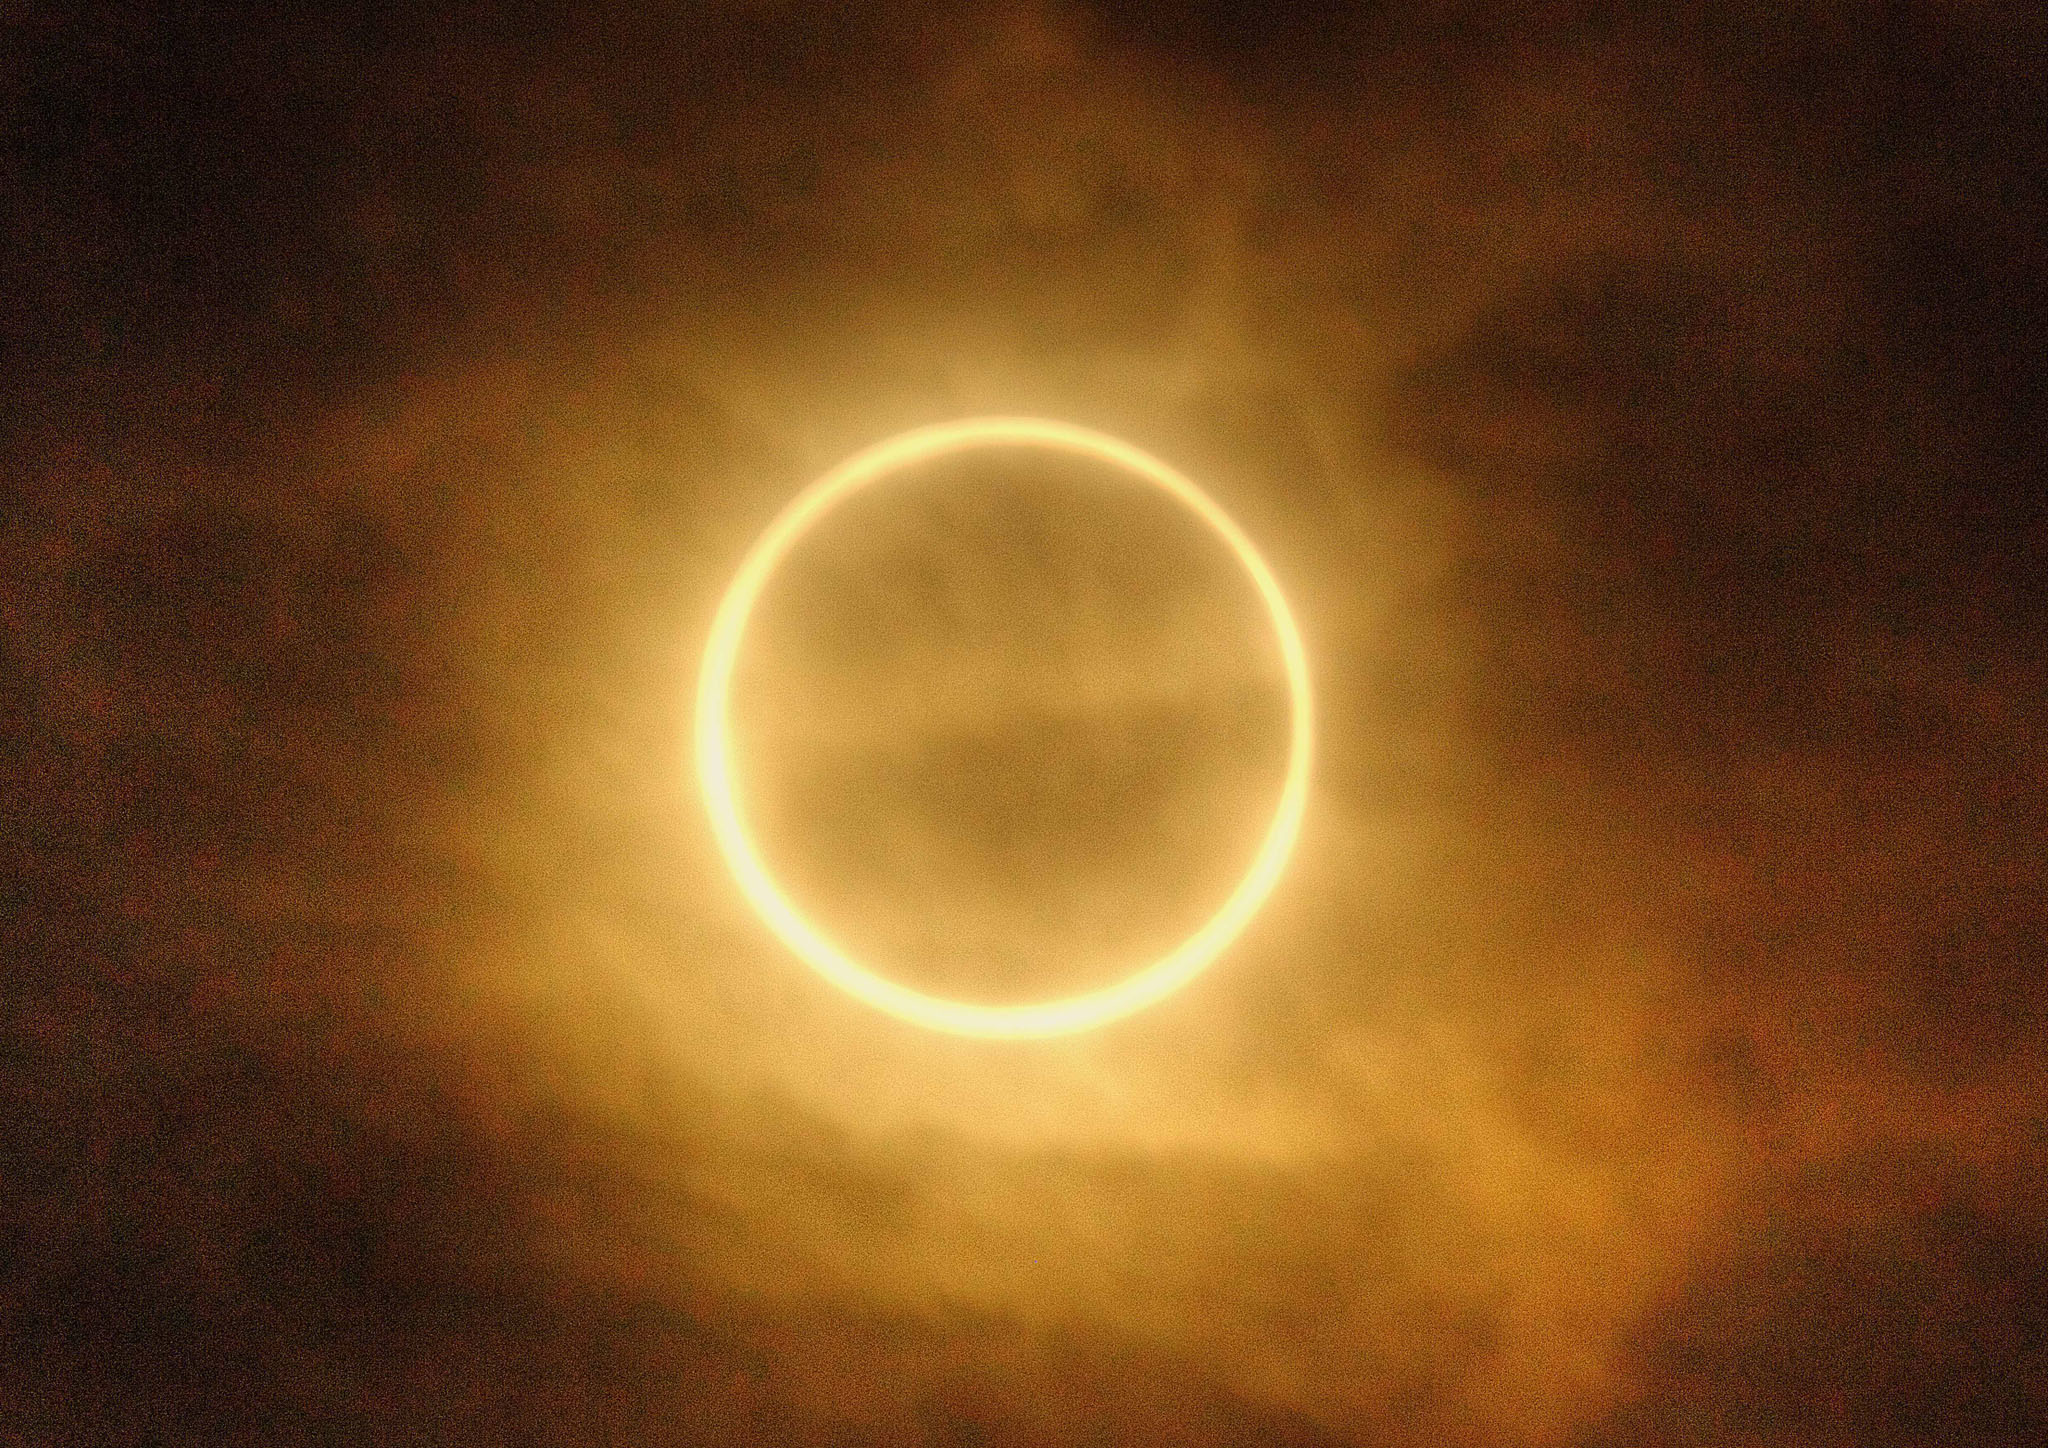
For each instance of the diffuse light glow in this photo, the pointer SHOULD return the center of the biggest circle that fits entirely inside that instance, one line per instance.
(717, 775)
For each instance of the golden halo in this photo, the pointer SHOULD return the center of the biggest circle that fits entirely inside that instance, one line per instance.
(714, 742)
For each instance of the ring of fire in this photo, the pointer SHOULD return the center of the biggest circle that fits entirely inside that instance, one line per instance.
(714, 754)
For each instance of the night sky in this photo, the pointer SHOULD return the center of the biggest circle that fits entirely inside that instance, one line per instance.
(1642, 409)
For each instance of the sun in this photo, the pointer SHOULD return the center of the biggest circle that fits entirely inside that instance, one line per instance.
(1144, 986)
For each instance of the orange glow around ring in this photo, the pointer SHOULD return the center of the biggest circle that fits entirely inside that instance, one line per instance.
(721, 791)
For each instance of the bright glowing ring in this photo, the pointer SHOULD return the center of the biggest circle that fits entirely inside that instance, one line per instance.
(715, 764)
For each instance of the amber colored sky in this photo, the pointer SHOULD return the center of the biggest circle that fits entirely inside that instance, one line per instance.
(1642, 408)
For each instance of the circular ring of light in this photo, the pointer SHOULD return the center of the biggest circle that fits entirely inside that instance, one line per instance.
(715, 763)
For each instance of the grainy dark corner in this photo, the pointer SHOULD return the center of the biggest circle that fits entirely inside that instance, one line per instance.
(1642, 409)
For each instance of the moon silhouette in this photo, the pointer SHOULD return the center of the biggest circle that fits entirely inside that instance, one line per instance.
(1144, 986)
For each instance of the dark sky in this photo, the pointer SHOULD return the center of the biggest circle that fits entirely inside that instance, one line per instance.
(1642, 409)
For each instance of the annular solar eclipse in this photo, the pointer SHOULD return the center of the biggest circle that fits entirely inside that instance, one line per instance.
(869, 981)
